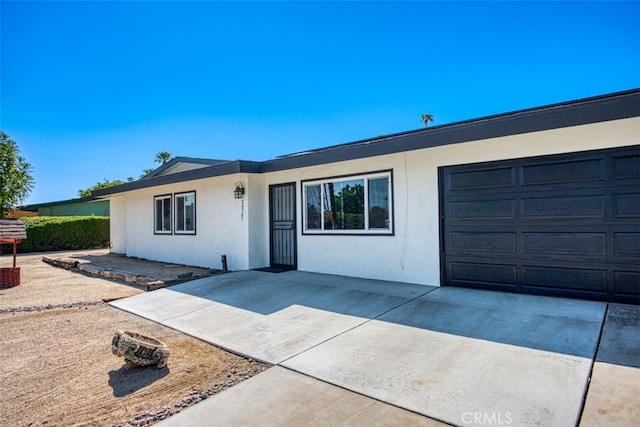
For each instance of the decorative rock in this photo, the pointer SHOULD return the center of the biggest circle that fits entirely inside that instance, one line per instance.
(90, 269)
(139, 350)
(67, 263)
(143, 280)
(149, 286)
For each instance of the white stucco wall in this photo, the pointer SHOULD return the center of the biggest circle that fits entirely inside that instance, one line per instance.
(221, 225)
(257, 208)
(118, 224)
(411, 255)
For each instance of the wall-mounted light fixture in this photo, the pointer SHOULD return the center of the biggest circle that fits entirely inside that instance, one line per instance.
(238, 193)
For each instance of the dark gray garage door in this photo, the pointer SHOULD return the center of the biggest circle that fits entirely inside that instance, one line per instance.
(565, 225)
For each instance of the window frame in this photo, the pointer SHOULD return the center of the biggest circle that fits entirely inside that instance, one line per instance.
(155, 214)
(175, 220)
(366, 176)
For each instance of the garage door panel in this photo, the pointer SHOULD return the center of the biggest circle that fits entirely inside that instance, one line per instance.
(626, 205)
(483, 242)
(563, 172)
(591, 206)
(565, 278)
(504, 274)
(570, 244)
(570, 225)
(625, 167)
(483, 209)
(627, 282)
(487, 178)
(564, 243)
(627, 245)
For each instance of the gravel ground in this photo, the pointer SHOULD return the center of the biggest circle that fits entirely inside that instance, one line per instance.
(43, 285)
(57, 367)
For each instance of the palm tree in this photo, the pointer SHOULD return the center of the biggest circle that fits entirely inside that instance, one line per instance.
(163, 157)
(426, 118)
(146, 172)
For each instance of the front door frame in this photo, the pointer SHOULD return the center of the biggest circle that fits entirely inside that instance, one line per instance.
(278, 229)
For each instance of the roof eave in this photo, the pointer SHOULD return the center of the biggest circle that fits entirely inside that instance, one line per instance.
(616, 106)
(228, 168)
(591, 110)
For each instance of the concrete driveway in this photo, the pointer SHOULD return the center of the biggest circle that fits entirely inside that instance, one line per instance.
(362, 352)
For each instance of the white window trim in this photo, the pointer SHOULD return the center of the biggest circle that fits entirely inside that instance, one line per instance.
(155, 214)
(366, 231)
(175, 209)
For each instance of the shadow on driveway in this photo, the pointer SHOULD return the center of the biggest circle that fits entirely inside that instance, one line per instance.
(558, 325)
(440, 352)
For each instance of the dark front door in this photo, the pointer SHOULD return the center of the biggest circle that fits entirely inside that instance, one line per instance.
(565, 225)
(282, 216)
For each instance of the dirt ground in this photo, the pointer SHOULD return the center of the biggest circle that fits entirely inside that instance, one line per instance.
(57, 367)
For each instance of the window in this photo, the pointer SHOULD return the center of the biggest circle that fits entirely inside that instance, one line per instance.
(348, 205)
(185, 213)
(162, 214)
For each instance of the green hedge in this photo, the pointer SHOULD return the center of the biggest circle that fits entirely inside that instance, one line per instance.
(57, 233)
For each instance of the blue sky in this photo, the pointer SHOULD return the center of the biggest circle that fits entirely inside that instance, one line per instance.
(93, 90)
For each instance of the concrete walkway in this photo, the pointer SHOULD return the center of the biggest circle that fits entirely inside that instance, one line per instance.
(361, 352)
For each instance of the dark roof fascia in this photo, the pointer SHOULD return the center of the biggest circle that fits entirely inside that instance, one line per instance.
(632, 92)
(175, 160)
(228, 168)
(616, 106)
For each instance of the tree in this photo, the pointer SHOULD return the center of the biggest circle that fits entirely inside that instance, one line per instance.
(163, 157)
(351, 199)
(426, 118)
(16, 181)
(146, 172)
(104, 184)
(347, 208)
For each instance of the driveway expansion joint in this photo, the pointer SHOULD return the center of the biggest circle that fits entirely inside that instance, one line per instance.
(593, 363)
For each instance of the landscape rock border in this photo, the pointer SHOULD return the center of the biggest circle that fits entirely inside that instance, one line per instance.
(148, 283)
(145, 282)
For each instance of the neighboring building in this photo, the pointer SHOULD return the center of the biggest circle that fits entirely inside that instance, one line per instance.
(544, 201)
(72, 207)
